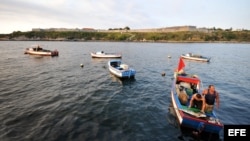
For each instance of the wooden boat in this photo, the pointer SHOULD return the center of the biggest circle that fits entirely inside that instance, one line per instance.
(102, 54)
(38, 50)
(195, 57)
(121, 70)
(191, 117)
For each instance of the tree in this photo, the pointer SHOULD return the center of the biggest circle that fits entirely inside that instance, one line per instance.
(126, 28)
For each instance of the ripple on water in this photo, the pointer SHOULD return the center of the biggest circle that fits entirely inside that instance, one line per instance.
(44, 98)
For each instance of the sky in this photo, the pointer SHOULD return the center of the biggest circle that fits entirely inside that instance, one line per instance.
(23, 15)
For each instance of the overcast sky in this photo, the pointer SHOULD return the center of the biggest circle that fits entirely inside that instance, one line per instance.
(23, 15)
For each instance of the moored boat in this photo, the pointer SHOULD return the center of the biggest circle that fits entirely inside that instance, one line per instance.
(196, 57)
(38, 50)
(185, 85)
(102, 54)
(121, 70)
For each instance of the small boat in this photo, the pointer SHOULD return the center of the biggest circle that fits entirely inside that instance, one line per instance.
(102, 54)
(121, 70)
(186, 84)
(38, 50)
(195, 57)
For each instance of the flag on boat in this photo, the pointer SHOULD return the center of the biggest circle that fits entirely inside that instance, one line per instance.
(181, 65)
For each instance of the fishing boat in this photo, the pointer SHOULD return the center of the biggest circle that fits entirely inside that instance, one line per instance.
(102, 54)
(185, 84)
(195, 57)
(38, 50)
(121, 70)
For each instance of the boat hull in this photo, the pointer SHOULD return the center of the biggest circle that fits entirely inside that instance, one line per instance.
(202, 59)
(41, 53)
(105, 55)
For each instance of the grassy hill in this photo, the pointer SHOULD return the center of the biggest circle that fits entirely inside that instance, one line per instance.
(183, 36)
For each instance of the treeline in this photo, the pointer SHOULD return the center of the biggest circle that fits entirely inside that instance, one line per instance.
(125, 35)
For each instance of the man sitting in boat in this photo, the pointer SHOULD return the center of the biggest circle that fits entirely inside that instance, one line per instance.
(183, 97)
(181, 89)
(197, 101)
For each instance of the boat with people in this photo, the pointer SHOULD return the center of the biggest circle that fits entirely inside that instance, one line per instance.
(121, 70)
(184, 86)
(38, 50)
(102, 54)
(196, 57)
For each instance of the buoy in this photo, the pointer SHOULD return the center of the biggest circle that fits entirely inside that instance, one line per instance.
(82, 65)
(163, 74)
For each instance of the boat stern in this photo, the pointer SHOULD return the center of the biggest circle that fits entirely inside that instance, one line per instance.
(129, 73)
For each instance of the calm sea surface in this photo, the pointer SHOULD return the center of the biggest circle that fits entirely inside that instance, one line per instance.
(54, 99)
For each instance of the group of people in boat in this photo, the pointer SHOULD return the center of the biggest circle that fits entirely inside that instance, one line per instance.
(206, 100)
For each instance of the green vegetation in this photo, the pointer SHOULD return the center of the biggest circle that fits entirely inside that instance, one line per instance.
(213, 35)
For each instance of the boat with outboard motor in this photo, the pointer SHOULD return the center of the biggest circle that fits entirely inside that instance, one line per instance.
(38, 50)
(185, 84)
(102, 54)
(195, 57)
(121, 70)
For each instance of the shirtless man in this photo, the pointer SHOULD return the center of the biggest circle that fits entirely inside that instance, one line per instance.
(197, 101)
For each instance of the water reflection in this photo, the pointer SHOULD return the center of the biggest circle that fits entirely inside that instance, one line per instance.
(122, 81)
(100, 60)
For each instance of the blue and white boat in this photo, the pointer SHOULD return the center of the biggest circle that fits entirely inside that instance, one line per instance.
(121, 70)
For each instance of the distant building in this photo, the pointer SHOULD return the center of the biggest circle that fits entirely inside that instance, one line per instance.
(64, 29)
(164, 29)
(167, 29)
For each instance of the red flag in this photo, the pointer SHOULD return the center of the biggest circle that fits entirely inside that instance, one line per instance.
(181, 65)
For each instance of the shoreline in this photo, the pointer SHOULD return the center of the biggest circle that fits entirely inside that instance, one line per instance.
(236, 42)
